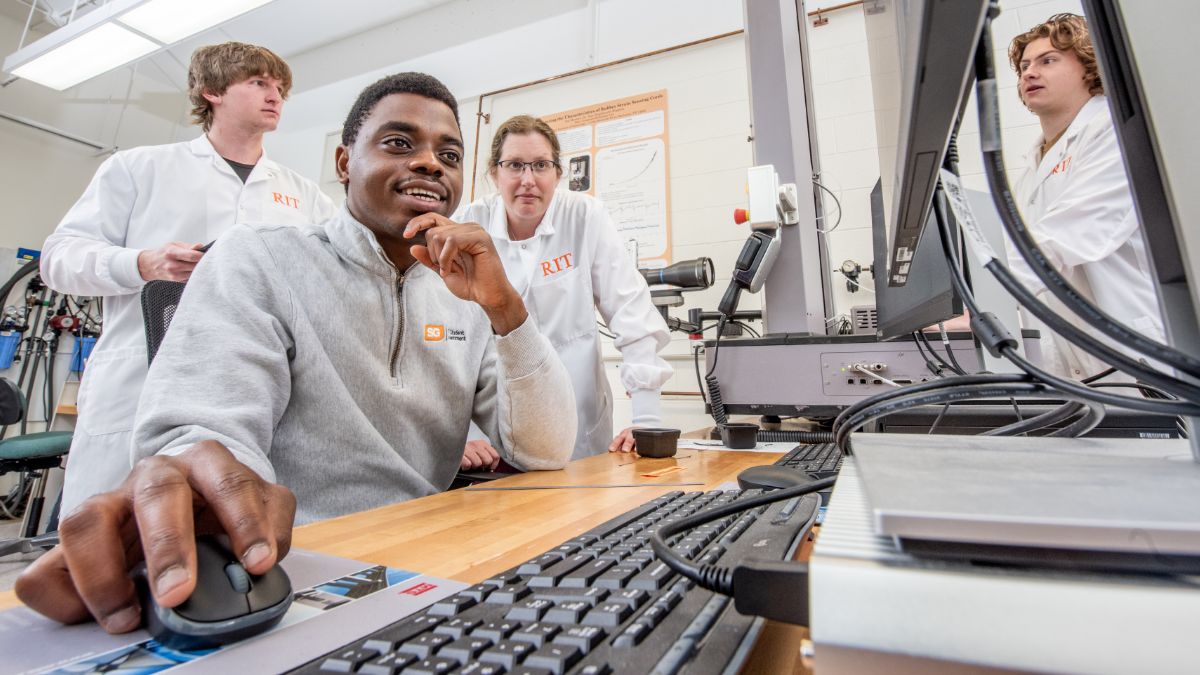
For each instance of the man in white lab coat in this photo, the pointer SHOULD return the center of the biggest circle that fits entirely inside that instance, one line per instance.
(146, 214)
(1074, 194)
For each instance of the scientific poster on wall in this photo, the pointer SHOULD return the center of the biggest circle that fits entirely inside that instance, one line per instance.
(617, 151)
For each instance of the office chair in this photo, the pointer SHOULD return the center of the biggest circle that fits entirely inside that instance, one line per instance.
(159, 300)
(34, 454)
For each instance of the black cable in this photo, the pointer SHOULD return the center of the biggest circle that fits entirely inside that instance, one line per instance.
(782, 436)
(1149, 391)
(746, 328)
(715, 405)
(1085, 341)
(1014, 224)
(22, 272)
(1099, 376)
(933, 367)
(932, 385)
(1037, 422)
(1056, 323)
(1083, 391)
(1092, 419)
(1017, 409)
(696, 367)
(941, 362)
(938, 420)
(712, 577)
(948, 394)
(950, 351)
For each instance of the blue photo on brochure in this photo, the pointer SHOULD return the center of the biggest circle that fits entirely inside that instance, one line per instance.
(142, 658)
(366, 582)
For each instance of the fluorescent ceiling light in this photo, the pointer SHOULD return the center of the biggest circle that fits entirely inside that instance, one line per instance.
(117, 33)
(172, 20)
(86, 56)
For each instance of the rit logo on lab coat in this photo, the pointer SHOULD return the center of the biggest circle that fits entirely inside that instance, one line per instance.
(285, 200)
(555, 265)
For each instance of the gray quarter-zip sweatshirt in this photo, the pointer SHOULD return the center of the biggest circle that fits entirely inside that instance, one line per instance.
(325, 369)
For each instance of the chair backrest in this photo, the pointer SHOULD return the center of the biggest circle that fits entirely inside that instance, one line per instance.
(159, 300)
(12, 402)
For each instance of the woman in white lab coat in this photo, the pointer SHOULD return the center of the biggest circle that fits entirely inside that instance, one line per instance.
(1074, 194)
(142, 217)
(563, 255)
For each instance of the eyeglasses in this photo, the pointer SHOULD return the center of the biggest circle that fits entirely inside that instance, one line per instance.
(514, 168)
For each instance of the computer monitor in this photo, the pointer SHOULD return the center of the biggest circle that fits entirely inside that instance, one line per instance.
(921, 53)
(928, 295)
(1159, 146)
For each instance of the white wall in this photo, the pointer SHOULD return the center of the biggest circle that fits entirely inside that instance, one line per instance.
(42, 175)
(511, 43)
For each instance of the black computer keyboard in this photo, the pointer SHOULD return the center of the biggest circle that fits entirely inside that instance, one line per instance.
(599, 603)
(822, 460)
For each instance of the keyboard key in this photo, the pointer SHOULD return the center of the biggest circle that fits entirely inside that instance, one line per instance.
(555, 658)
(615, 577)
(451, 605)
(653, 615)
(632, 597)
(653, 577)
(584, 540)
(586, 638)
(567, 612)
(381, 646)
(668, 599)
(394, 635)
(566, 549)
(503, 579)
(457, 627)
(536, 634)
(529, 610)
(388, 664)
(348, 660)
(632, 636)
(586, 574)
(608, 615)
(496, 630)
(508, 595)
(465, 649)
(539, 564)
(507, 653)
(557, 571)
(592, 596)
(432, 666)
(482, 668)
(424, 646)
(595, 669)
(530, 670)
(477, 592)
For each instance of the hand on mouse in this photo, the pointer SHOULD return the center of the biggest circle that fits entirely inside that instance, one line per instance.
(155, 514)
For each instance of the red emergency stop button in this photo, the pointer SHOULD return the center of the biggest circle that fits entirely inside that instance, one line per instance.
(741, 216)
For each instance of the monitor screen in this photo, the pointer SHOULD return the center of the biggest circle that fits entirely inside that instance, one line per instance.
(921, 54)
(927, 296)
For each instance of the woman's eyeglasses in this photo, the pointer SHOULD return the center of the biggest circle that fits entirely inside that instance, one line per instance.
(514, 168)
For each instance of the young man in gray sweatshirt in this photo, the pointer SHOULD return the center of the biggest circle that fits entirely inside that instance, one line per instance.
(316, 371)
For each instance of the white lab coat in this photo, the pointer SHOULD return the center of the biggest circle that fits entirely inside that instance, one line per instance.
(572, 266)
(141, 199)
(1077, 205)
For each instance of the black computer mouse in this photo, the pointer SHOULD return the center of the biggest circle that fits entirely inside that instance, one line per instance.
(772, 477)
(229, 604)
